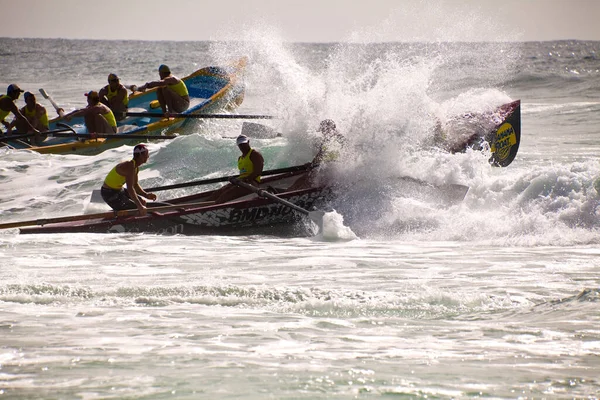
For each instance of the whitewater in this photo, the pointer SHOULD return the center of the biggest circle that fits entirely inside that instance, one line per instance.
(403, 296)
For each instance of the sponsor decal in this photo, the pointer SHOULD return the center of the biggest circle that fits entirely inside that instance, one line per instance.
(272, 213)
(237, 216)
(506, 138)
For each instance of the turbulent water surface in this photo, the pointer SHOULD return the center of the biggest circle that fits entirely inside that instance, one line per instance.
(408, 296)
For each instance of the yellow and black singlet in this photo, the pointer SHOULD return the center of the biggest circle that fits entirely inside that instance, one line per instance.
(110, 94)
(114, 180)
(4, 113)
(110, 118)
(246, 166)
(36, 113)
(180, 88)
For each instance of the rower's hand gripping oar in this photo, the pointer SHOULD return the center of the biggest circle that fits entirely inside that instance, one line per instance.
(315, 216)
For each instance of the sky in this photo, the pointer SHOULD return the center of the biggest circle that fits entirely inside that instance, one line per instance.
(303, 20)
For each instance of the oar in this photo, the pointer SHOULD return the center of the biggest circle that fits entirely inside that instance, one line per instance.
(227, 178)
(97, 198)
(122, 136)
(110, 214)
(107, 135)
(315, 216)
(180, 115)
(66, 126)
(27, 135)
(453, 191)
(58, 109)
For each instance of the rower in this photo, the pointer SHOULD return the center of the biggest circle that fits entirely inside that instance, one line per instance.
(98, 117)
(115, 96)
(37, 116)
(172, 94)
(123, 173)
(7, 105)
(329, 151)
(250, 164)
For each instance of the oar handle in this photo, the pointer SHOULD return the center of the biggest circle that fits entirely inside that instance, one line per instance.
(264, 193)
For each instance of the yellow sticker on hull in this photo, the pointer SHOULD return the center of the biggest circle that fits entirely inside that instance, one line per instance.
(506, 138)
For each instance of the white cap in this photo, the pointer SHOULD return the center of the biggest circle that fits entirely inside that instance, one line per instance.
(242, 139)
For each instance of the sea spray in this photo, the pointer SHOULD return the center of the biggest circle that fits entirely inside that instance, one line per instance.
(334, 230)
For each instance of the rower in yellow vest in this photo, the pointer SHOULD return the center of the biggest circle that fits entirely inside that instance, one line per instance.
(37, 116)
(250, 164)
(172, 94)
(98, 117)
(126, 174)
(115, 96)
(7, 106)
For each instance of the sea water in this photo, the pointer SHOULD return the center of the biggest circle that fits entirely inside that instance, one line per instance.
(403, 295)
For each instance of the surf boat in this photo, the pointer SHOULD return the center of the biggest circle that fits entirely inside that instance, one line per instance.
(256, 213)
(498, 130)
(211, 89)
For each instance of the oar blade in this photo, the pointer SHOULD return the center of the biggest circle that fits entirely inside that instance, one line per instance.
(455, 193)
(317, 218)
(443, 194)
(58, 109)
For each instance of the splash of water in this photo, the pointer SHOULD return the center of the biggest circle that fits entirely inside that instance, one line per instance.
(334, 230)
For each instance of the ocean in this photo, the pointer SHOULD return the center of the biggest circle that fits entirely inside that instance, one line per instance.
(401, 297)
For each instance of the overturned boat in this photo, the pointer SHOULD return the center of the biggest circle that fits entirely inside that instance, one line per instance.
(498, 130)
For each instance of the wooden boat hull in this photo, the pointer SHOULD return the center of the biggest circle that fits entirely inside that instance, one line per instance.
(211, 89)
(248, 215)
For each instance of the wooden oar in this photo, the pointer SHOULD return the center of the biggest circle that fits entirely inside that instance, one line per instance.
(315, 216)
(105, 215)
(452, 191)
(180, 115)
(27, 135)
(106, 135)
(58, 109)
(227, 178)
(122, 136)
